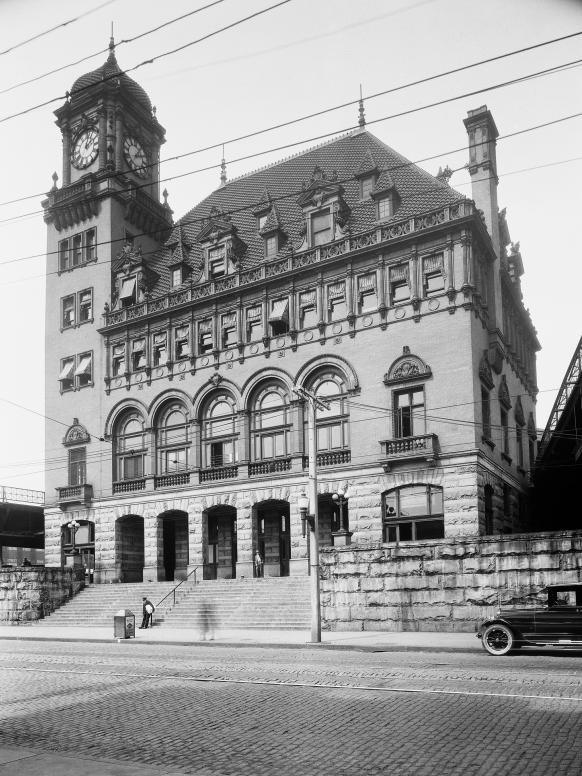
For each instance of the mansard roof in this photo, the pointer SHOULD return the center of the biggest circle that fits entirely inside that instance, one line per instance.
(285, 184)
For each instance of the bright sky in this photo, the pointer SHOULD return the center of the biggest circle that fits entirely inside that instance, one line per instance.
(297, 59)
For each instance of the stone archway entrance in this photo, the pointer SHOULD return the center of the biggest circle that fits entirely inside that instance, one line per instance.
(221, 550)
(129, 548)
(274, 542)
(174, 534)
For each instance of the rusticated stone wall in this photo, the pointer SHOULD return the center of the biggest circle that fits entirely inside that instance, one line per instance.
(442, 585)
(29, 593)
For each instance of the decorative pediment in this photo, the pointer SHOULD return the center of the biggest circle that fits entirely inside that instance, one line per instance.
(504, 393)
(76, 434)
(179, 246)
(368, 166)
(485, 373)
(320, 189)
(129, 266)
(273, 223)
(407, 368)
(383, 185)
(519, 416)
(216, 229)
(264, 204)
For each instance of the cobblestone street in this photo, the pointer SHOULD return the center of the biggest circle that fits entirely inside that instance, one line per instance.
(214, 711)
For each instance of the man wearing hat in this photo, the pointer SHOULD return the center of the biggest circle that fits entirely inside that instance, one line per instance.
(148, 611)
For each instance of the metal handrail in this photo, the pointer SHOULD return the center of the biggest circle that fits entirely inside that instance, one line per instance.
(173, 590)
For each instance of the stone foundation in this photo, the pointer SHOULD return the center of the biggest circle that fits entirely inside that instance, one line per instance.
(441, 585)
(30, 593)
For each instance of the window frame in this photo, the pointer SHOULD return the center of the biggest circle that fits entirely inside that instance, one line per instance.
(77, 249)
(211, 441)
(125, 448)
(260, 432)
(314, 238)
(77, 469)
(180, 446)
(395, 520)
(399, 421)
(385, 207)
(331, 422)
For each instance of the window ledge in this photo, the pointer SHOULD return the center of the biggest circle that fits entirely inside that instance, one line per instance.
(489, 442)
(77, 266)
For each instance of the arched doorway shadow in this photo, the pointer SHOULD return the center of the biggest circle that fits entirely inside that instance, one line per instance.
(129, 548)
(221, 551)
(273, 537)
(174, 535)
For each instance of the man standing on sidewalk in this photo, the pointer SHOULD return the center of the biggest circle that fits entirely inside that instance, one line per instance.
(148, 611)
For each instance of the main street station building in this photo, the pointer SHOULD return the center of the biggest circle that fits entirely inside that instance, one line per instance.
(174, 351)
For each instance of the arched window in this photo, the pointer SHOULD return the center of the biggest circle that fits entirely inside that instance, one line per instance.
(270, 424)
(130, 447)
(219, 436)
(332, 425)
(172, 440)
(413, 513)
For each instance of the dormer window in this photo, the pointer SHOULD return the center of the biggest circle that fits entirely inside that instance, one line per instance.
(262, 220)
(216, 262)
(176, 275)
(127, 294)
(385, 207)
(271, 246)
(366, 186)
(321, 228)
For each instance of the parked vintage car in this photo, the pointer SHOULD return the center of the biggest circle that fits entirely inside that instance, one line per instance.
(558, 623)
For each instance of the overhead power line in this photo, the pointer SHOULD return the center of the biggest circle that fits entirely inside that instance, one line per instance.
(150, 61)
(56, 27)
(104, 51)
(238, 210)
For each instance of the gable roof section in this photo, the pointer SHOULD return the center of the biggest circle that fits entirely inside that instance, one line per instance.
(283, 183)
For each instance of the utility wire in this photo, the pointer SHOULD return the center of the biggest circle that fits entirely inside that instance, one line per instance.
(333, 108)
(105, 50)
(150, 61)
(56, 27)
(339, 133)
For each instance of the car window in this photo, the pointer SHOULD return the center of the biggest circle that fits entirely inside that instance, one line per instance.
(564, 598)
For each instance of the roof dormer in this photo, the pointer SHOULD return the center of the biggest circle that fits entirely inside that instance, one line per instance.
(222, 247)
(324, 208)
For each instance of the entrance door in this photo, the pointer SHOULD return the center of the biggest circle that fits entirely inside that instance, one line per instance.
(274, 542)
(222, 548)
(169, 549)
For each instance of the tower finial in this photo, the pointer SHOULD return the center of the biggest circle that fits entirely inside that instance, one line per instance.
(361, 114)
(112, 40)
(223, 169)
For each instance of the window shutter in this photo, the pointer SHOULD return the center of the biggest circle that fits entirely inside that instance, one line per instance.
(399, 273)
(433, 263)
(307, 299)
(366, 283)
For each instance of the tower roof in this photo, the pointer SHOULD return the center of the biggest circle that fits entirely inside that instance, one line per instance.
(106, 75)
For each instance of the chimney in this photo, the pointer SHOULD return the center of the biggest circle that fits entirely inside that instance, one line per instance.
(483, 168)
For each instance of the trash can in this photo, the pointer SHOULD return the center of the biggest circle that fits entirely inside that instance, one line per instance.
(124, 624)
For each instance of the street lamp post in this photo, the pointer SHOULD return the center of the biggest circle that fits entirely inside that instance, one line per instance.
(74, 555)
(343, 535)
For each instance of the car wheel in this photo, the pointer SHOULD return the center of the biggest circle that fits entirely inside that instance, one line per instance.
(498, 639)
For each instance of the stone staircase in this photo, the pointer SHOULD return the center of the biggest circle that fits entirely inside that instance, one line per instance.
(274, 603)
(95, 605)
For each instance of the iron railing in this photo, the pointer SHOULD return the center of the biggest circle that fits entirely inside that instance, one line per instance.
(173, 590)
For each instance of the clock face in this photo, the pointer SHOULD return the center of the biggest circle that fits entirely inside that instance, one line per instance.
(86, 148)
(135, 156)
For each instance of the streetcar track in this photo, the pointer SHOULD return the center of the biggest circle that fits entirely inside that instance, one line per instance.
(311, 685)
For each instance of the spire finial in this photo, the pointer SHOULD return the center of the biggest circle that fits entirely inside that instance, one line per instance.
(223, 169)
(361, 114)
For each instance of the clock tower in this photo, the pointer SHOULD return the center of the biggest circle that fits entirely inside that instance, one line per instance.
(107, 206)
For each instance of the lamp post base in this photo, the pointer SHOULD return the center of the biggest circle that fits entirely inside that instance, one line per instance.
(342, 538)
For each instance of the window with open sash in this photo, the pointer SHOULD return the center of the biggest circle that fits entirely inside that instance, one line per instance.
(308, 309)
(336, 301)
(228, 329)
(182, 342)
(216, 262)
(138, 354)
(433, 276)
(254, 325)
(205, 341)
(409, 416)
(279, 317)
(367, 295)
(118, 359)
(160, 349)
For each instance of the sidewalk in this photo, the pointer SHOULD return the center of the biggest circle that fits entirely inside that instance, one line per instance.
(369, 641)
